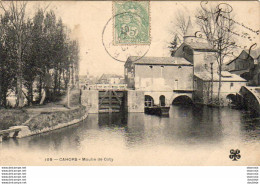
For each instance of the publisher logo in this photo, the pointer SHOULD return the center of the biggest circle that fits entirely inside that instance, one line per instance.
(234, 154)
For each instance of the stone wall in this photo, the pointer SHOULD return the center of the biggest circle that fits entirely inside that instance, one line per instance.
(173, 76)
(202, 93)
(135, 101)
(89, 98)
(50, 119)
(44, 122)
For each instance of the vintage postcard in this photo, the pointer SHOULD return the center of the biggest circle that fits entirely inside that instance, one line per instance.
(130, 83)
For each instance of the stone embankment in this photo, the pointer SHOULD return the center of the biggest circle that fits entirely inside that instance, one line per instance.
(41, 120)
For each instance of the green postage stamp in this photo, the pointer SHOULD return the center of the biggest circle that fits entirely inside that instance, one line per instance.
(131, 22)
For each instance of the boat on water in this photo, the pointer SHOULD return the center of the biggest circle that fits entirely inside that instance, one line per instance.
(158, 110)
(151, 108)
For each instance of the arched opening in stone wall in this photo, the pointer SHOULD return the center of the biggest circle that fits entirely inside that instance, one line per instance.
(231, 98)
(182, 100)
(162, 100)
(148, 101)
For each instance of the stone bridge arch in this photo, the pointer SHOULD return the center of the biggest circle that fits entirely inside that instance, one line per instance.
(231, 98)
(251, 98)
(182, 99)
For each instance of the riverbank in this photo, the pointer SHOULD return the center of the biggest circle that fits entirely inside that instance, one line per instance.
(47, 118)
(33, 121)
(12, 117)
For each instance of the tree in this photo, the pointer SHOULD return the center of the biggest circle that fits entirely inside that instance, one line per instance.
(180, 26)
(16, 12)
(217, 25)
(174, 45)
(215, 22)
(181, 23)
(60, 55)
(74, 48)
(29, 59)
(34, 51)
(8, 58)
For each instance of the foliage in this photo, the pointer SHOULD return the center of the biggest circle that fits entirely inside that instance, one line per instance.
(36, 54)
(174, 45)
(216, 25)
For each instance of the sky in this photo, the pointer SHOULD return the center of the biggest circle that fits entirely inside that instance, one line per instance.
(87, 21)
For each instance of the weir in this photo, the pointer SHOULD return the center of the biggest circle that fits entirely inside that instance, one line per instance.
(112, 98)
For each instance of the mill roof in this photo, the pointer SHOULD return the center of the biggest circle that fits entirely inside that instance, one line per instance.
(158, 60)
(225, 77)
(201, 46)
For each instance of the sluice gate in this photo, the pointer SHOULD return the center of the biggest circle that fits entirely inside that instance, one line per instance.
(111, 100)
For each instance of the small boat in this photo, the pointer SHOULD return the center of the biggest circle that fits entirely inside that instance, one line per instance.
(157, 110)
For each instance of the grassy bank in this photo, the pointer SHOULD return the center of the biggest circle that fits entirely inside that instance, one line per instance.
(50, 119)
(12, 117)
(44, 119)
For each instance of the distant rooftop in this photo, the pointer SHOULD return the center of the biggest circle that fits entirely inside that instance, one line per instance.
(107, 76)
(158, 60)
(253, 53)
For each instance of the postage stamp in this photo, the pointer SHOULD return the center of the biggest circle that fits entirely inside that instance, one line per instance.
(131, 22)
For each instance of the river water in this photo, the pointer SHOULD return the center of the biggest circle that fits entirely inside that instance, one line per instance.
(191, 135)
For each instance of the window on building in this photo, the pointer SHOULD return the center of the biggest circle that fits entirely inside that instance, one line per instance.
(179, 67)
(231, 84)
(162, 67)
(162, 100)
(176, 85)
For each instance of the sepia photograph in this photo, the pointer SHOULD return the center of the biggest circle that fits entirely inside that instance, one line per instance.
(129, 83)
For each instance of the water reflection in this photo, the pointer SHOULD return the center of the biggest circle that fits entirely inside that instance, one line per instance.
(250, 125)
(186, 125)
